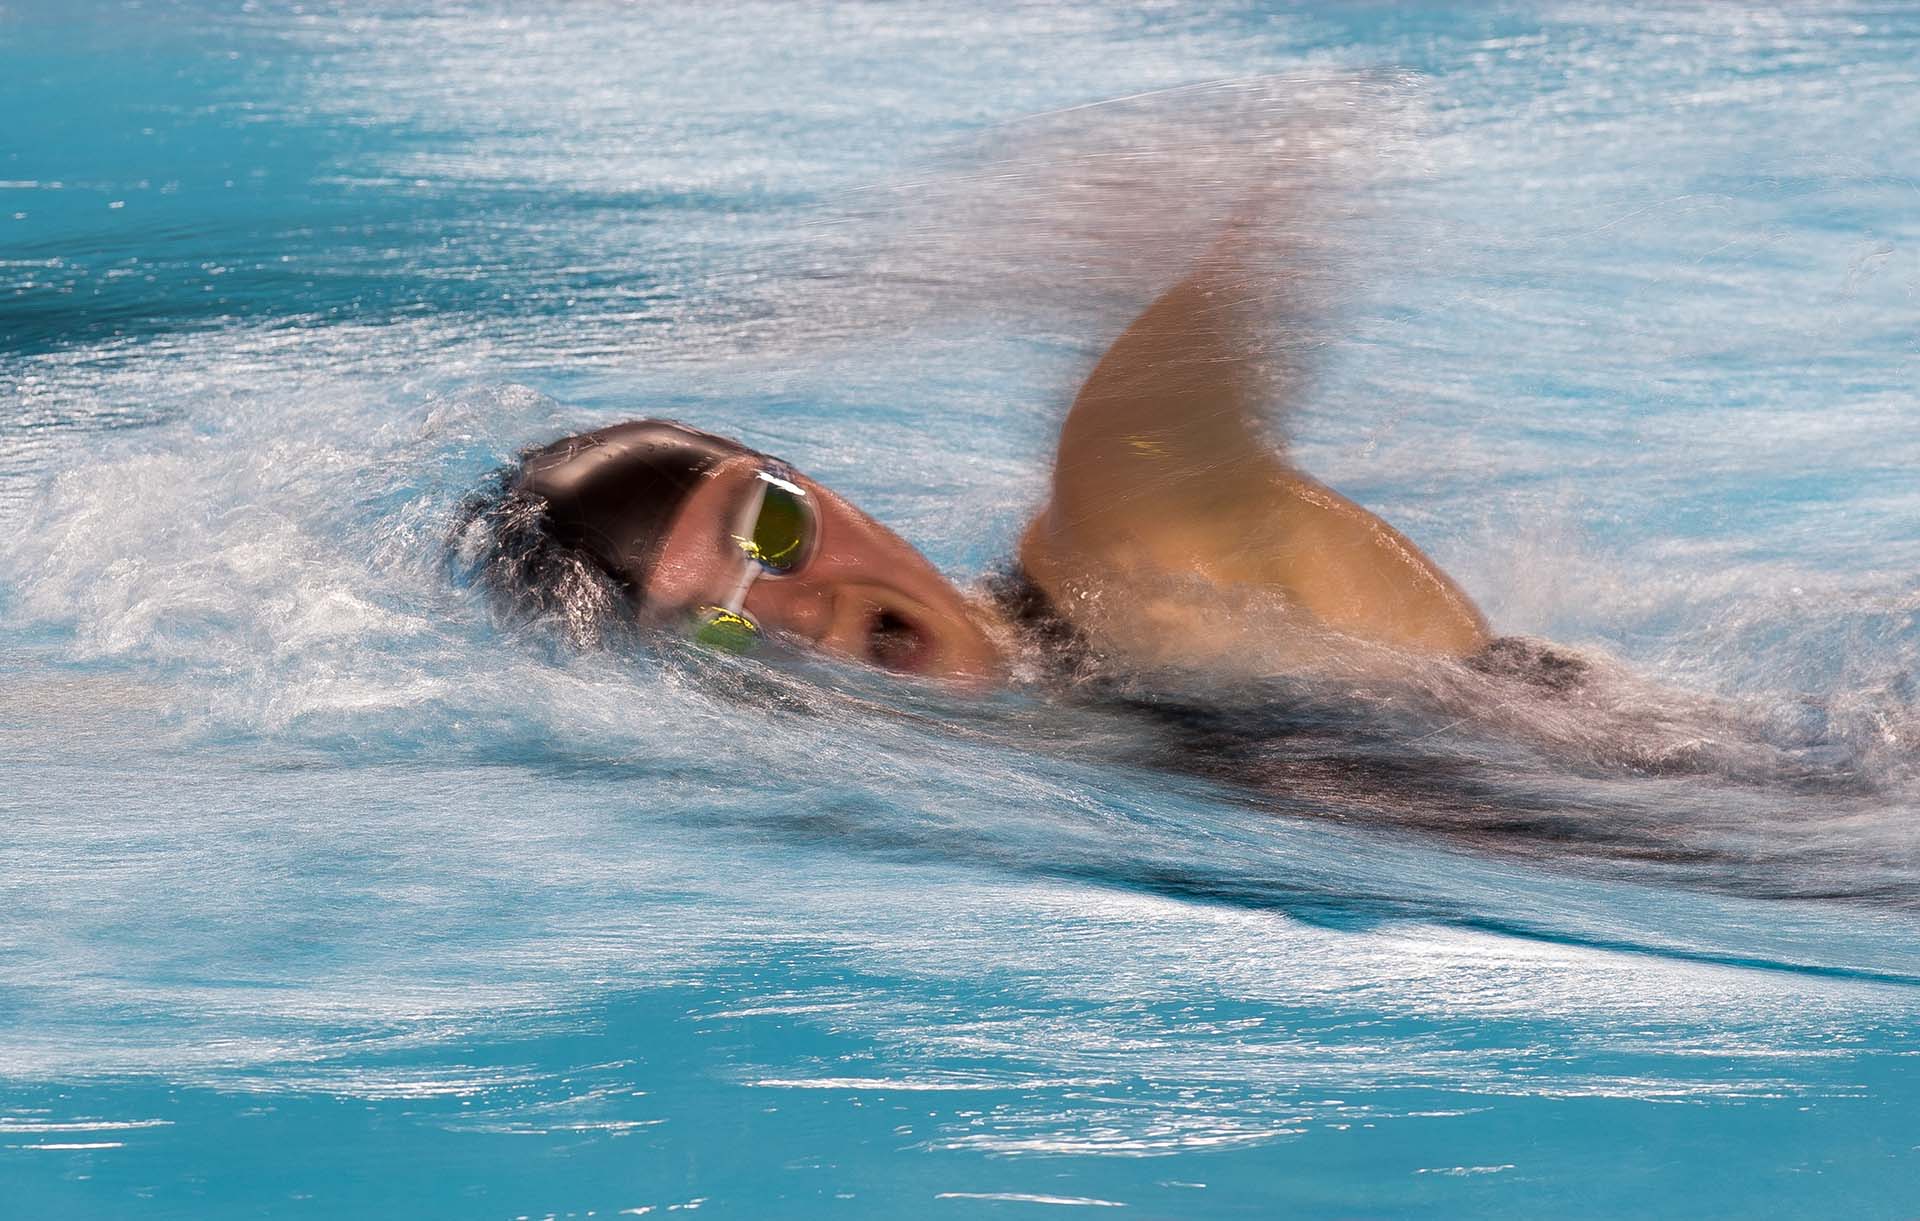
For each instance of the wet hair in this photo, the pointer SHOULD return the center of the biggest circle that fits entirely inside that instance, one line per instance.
(568, 533)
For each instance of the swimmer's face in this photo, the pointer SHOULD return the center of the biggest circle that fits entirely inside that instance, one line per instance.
(862, 593)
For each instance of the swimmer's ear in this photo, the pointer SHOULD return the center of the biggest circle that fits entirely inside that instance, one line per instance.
(1178, 407)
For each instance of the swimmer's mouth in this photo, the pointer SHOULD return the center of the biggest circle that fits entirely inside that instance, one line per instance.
(895, 642)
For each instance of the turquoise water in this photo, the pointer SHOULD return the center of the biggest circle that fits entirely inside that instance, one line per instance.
(329, 895)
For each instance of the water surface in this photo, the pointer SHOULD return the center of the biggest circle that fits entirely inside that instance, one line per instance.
(329, 893)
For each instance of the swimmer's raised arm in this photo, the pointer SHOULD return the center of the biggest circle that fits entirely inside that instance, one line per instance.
(1165, 484)
(1172, 411)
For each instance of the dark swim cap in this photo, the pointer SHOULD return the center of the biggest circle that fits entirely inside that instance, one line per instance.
(612, 494)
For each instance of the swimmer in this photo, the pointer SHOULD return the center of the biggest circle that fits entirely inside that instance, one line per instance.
(1167, 510)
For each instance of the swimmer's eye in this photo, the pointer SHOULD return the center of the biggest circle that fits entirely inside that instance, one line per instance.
(724, 630)
(776, 535)
(782, 530)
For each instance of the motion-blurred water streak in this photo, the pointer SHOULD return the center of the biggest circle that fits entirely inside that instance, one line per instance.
(330, 893)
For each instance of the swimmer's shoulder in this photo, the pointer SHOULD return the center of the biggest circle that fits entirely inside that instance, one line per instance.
(1158, 582)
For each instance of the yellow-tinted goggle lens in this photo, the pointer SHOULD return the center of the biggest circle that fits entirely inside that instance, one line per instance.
(725, 630)
(781, 531)
(778, 541)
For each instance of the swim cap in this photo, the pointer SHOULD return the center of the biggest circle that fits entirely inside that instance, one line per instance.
(612, 494)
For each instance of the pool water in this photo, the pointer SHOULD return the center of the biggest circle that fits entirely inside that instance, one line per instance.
(330, 894)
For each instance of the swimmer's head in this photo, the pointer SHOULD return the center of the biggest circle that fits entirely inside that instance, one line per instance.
(656, 523)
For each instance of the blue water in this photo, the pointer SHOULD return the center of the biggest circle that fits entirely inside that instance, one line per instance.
(328, 894)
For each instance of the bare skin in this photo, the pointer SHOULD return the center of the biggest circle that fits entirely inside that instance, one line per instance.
(864, 593)
(1168, 512)
(1166, 500)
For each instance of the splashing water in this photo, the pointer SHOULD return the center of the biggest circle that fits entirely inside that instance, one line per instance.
(331, 893)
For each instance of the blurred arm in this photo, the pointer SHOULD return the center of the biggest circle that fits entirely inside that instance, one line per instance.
(1163, 471)
(1169, 417)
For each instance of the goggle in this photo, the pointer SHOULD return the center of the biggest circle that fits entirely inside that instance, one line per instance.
(775, 532)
